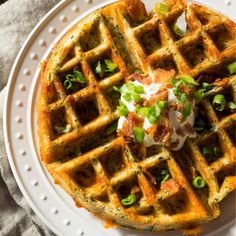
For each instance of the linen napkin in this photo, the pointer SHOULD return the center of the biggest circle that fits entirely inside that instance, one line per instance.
(17, 19)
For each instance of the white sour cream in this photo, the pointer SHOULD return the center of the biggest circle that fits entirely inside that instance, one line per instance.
(174, 122)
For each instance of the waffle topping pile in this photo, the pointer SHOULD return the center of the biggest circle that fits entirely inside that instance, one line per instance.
(157, 113)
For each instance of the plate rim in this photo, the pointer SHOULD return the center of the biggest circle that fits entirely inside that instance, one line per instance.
(11, 79)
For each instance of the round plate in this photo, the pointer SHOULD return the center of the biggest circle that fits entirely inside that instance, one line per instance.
(48, 200)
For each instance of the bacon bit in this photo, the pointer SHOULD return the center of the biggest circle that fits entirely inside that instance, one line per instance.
(136, 9)
(142, 78)
(180, 131)
(176, 106)
(171, 186)
(193, 231)
(135, 189)
(221, 82)
(70, 99)
(163, 76)
(135, 119)
(162, 134)
(174, 144)
(162, 95)
(185, 89)
(193, 172)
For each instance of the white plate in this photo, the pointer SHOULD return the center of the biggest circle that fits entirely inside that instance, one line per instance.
(48, 200)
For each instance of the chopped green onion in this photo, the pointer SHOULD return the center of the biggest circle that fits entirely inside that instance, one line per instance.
(219, 102)
(163, 8)
(183, 98)
(152, 119)
(100, 70)
(162, 105)
(139, 89)
(67, 84)
(110, 66)
(200, 124)
(187, 110)
(142, 111)
(111, 129)
(207, 151)
(206, 86)
(129, 201)
(138, 134)
(79, 77)
(232, 68)
(116, 88)
(136, 97)
(122, 109)
(189, 80)
(198, 182)
(165, 176)
(176, 91)
(199, 95)
(127, 97)
(128, 87)
(231, 105)
(177, 30)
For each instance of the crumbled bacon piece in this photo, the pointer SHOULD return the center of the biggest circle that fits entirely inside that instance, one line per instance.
(180, 131)
(193, 172)
(142, 78)
(162, 134)
(136, 9)
(135, 189)
(163, 76)
(161, 95)
(171, 186)
(176, 106)
(70, 99)
(185, 89)
(221, 82)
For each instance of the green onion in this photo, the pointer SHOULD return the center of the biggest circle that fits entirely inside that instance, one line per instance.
(232, 68)
(111, 129)
(128, 87)
(152, 119)
(139, 89)
(231, 105)
(138, 134)
(162, 105)
(79, 77)
(100, 70)
(187, 110)
(176, 91)
(198, 182)
(122, 109)
(219, 102)
(136, 97)
(216, 151)
(189, 80)
(67, 84)
(207, 151)
(183, 98)
(127, 97)
(110, 66)
(200, 124)
(165, 176)
(206, 86)
(163, 8)
(199, 95)
(177, 30)
(142, 111)
(129, 201)
(116, 88)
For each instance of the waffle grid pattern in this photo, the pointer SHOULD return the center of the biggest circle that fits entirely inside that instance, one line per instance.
(106, 169)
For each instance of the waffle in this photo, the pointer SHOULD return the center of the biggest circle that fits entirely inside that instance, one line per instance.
(98, 168)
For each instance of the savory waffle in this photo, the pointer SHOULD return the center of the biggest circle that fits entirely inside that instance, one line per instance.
(79, 144)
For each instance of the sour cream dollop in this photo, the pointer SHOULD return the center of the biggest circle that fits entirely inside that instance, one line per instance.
(180, 128)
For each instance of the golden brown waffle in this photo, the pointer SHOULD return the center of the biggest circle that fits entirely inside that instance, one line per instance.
(96, 167)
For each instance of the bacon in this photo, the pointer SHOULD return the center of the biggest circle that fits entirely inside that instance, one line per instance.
(171, 186)
(70, 99)
(162, 134)
(135, 189)
(221, 82)
(136, 9)
(161, 95)
(163, 76)
(176, 106)
(185, 89)
(193, 172)
(142, 78)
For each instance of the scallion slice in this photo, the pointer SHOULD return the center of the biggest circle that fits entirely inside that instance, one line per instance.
(219, 102)
(138, 134)
(198, 182)
(129, 201)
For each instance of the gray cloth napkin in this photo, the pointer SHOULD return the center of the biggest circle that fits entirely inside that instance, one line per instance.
(17, 19)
